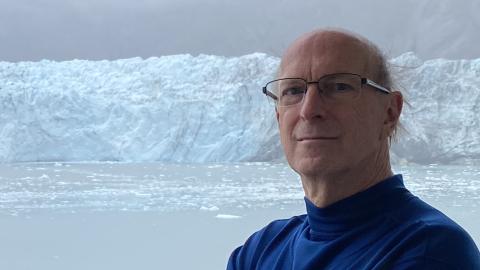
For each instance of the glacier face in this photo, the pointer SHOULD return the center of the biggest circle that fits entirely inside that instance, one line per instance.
(182, 108)
(174, 109)
(442, 122)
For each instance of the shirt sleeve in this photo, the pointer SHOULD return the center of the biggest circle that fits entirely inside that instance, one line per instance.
(243, 257)
(445, 247)
(423, 263)
(233, 261)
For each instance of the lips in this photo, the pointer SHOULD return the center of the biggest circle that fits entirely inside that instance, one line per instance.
(312, 138)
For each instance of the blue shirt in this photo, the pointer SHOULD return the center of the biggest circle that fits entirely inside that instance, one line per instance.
(383, 227)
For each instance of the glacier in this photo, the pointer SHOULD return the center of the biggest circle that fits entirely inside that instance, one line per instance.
(205, 108)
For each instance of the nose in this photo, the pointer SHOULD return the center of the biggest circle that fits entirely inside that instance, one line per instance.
(313, 103)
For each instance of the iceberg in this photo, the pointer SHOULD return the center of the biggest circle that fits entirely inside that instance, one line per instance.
(205, 108)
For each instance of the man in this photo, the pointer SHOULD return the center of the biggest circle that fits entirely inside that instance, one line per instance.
(337, 112)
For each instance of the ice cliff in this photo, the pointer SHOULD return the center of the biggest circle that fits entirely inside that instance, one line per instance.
(443, 119)
(185, 108)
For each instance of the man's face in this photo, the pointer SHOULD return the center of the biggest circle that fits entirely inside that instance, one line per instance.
(322, 138)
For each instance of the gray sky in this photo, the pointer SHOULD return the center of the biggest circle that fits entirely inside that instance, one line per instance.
(110, 29)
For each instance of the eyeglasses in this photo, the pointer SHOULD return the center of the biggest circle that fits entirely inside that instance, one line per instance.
(333, 87)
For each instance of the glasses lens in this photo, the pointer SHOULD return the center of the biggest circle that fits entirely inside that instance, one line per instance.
(288, 91)
(340, 86)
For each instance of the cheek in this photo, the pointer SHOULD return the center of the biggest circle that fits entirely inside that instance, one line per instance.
(286, 123)
(365, 126)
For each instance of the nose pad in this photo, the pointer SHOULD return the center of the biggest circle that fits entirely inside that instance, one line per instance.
(313, 103)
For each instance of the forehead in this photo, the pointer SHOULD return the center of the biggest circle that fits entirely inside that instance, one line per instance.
(322, 53)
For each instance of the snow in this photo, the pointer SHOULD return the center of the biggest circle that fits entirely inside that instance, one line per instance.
(197, 109)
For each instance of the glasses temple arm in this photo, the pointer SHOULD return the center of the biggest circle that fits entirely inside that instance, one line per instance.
(376, 85)
(268, 93)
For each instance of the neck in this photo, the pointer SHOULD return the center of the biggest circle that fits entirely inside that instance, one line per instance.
(326, 189)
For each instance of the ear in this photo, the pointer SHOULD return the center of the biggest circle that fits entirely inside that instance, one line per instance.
(394, 109)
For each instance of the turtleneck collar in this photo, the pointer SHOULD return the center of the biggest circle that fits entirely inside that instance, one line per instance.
(349, 212)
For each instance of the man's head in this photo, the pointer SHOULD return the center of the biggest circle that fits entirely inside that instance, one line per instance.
(325, 138)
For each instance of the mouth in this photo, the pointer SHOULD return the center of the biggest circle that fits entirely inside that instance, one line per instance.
(316, 139)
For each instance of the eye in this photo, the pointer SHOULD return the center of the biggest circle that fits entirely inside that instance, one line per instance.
(342, 87)
(293, 91)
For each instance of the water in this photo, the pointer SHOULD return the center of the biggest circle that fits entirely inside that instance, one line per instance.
(61, 187)
(169, 216)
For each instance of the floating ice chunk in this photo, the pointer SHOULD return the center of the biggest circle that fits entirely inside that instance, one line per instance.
(226, 216)
(211, 208)
(215, 166)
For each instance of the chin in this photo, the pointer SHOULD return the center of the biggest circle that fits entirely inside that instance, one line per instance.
(314, 166)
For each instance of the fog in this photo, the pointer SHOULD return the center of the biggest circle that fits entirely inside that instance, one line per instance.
(32, 30)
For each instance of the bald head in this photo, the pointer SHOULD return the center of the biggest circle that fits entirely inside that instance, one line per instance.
(344, 46)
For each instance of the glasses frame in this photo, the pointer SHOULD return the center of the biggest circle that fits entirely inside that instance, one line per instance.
(364, 81)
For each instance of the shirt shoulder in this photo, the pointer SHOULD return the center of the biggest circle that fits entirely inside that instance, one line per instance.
(433, 238)
(449, 243)
(277, 231)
